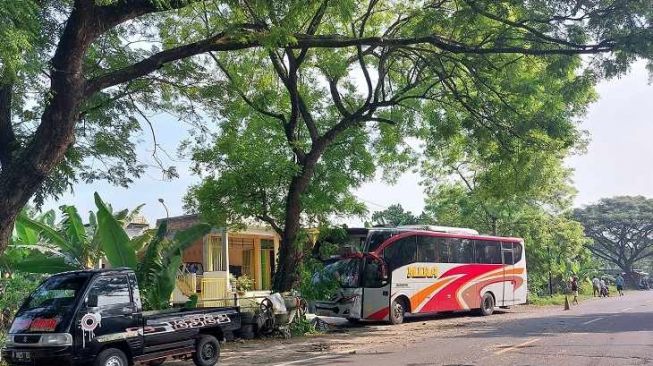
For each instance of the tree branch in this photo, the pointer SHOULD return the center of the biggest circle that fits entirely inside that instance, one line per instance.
(313, 27)
(223, 42)
(219, 42)
(242, 95)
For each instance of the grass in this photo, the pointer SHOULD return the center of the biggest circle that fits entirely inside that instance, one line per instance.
(556, 299)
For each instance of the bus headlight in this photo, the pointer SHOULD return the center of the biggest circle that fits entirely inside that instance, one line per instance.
(57, 339)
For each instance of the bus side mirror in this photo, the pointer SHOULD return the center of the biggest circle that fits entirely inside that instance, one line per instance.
(384, 272)
(92, 301)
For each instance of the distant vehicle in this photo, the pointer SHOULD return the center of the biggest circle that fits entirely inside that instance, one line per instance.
(418, 270)
(95, 317)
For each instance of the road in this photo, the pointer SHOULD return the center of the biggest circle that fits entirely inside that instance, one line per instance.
(598, 332)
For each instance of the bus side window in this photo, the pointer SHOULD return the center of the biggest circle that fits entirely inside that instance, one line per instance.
(443, 251)
(517, 251)
(488, 252)
(508, 257)
(462, 250)
(401, 253)
(427, 249)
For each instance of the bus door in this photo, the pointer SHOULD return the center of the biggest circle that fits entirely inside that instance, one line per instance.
(507, 254)
(376, 290)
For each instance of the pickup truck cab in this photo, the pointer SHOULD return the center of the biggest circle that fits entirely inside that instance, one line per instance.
(96, 317)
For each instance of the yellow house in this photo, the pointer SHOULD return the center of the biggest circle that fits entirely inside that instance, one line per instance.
(222, 253)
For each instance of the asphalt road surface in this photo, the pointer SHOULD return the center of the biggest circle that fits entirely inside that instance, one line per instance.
(612, 331)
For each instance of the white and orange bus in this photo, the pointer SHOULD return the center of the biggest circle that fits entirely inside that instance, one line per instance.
(427, 269)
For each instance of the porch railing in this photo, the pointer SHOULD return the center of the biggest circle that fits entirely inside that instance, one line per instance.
(214, 292)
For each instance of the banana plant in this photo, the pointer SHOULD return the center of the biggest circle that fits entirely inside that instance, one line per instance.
(27, 251)
(69, 245)
(154, 257)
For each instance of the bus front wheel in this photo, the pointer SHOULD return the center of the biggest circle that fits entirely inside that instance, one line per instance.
(397, 311)
(487, 304)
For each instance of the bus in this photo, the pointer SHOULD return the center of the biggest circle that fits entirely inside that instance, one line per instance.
(424, 270)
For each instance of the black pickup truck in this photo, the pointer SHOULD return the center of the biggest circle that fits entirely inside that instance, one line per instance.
(95, 317)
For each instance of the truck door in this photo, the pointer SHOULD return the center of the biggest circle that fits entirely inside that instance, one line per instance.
(508, 264)
(108, 315)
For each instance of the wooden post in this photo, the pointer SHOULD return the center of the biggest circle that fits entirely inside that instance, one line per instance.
(258, 280)
(225, 253)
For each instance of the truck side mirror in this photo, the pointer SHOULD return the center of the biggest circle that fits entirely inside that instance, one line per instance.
(92, 301)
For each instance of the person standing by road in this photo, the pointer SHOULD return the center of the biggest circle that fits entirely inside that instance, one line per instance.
(596, 286)
(574, 289)
(619, 281)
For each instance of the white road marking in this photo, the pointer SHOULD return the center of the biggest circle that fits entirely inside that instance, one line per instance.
(499, 352)
(626, 309)
(592, 321)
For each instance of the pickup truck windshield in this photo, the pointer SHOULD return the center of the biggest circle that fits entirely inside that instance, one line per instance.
(50, 303)
(59, 291)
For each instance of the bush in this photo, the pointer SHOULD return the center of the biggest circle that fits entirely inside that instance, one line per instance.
(302, 327)
(13, 291)
(315, 282)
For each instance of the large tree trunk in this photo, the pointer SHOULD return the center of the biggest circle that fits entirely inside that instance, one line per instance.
(287, 274)
(290, 255)
(28, 168)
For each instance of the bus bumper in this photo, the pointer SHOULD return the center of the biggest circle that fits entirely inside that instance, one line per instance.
(344, 306)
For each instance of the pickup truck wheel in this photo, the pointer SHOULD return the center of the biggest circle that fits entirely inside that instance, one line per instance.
(207, 351)
(111, 357)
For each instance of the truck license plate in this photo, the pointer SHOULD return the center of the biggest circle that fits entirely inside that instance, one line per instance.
(22, 356)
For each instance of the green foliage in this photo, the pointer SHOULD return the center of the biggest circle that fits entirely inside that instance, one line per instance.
(395, 215)
(514, 187)
(316, 283)
(158, 266)
(620, 229)
(242, 283)
(302, 327)
(41, 245)
(13, 291)
(115, 242)
(192, 302)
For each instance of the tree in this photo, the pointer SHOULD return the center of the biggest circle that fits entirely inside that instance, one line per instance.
(100, 72)
(621, 229)
(292, 106)
(513, 187)
(394, 215)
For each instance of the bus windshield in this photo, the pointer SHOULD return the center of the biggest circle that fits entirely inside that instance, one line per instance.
(376, 237)
(345, 271)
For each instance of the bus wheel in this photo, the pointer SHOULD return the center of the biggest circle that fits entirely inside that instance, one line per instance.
(487, 304)
(207, 351)
(397, 311)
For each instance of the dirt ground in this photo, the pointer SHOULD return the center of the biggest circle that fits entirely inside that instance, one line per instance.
(345, 338)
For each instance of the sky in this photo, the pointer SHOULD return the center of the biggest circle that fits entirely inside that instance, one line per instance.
(617, 160)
